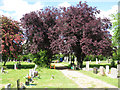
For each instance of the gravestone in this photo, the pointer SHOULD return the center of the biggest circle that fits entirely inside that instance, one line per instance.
(15, 66)
(8, 86)
(113, 72)
(118, 70)
(75, 59)
(35, 67)
(87, 65)
(99, 61)
(18, 84)
(96, 61)
(90, 60)
(2, 70)
(102, 72)
(95, 70)
(107, 70)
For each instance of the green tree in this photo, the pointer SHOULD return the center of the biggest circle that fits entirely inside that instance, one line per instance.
(116, 35)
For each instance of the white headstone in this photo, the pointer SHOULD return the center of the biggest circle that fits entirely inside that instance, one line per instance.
(75, 59)
(87, 65)
(15, 66)
(90, 60)
(99, 61)
(102, 70)
(35, 67)
(96, 61)
(113, 72)
(8, 86)
(1, 69)
(107, 69)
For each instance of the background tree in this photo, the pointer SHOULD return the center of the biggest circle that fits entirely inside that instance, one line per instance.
(116, 35)
(12, 38)
(78, 30)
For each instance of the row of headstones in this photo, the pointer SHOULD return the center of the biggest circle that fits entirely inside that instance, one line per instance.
(114, 72)
(8, 86)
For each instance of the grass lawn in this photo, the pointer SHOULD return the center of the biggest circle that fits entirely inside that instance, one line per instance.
(112, 81)
(59, 81)
(106, 79)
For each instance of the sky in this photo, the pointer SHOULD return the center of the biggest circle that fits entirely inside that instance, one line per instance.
(17, 8)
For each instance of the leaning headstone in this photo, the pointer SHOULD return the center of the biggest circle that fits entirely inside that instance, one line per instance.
(15, 66)
(107, 70)
(102, 71)
(96, 61)
(118, 70)
(87, 65)
(8, 86)
(113, 73)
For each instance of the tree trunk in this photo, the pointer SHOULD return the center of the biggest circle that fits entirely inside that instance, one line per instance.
(5, 62)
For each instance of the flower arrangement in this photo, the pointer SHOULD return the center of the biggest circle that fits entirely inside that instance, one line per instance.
(29, 78)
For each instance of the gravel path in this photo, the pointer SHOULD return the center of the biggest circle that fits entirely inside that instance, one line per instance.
(85, 81)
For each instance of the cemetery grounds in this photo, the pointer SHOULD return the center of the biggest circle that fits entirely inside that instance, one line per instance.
(59, 81)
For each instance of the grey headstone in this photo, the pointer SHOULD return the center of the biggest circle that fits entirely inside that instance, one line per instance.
(118, 70)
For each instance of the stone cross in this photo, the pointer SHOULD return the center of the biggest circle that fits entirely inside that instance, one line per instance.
(107, 69)
(8, 86)
(15, 66)
(87, 65)
(96, 61)
(102, 70)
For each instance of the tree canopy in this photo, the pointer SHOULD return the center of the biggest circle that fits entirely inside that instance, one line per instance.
(67, 30)
(12, 38)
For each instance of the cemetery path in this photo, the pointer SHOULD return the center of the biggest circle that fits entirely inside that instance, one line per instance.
(85, 81)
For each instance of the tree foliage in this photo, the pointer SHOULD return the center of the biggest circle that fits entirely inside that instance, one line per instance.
(12, 38)
(67, 30)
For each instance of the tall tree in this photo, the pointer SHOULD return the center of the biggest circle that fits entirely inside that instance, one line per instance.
(12, 38)
(78, 30)
(36, 24)
(116, 33)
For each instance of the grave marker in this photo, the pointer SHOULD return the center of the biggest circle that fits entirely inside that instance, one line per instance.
(2, 70)
(102, 70)
(99, 61)
(8, 86)
(18, 84)
(113, 72)
(96, 61)
(15, 66)
(107, 69)
(118, 70)
(87, 65)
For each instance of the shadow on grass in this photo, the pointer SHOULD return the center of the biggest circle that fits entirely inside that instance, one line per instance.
(20, 67)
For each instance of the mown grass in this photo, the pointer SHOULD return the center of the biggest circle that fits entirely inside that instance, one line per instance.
(59, 81)
(112, 81)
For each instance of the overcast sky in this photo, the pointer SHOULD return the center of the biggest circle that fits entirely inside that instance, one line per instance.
(17, 8)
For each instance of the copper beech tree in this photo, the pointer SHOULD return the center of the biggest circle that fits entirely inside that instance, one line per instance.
(67, 30)
(12, 38)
